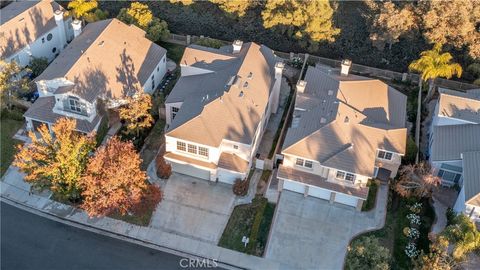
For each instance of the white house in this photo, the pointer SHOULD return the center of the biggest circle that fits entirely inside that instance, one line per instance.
(108, 60)
(455, 129)
(345, 129)
(33, 29)
(217, 111)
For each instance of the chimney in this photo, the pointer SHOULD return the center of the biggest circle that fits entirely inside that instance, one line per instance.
(279, 69)
(77, 27)
(237, 46)
(301, 84)
(58, 14)
(346, 64)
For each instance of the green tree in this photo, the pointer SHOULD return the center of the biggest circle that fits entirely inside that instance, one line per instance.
(433, 64)
(80, 8)
(38, 65)
(209, 42)
(438, 258)
(474, 69)
(140, 15)
(464, 235)
(10, 82)
(96, 15)
(309, 21)
(366, 253)
(235, 7)
(56, 159)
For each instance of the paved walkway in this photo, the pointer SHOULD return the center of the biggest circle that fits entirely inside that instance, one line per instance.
(15, 192)
(310, 233)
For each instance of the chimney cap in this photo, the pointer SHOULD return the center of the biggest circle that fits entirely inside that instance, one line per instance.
(58, 12)
(301, 83)
(238, 42)
(280, 64)
(347, 62)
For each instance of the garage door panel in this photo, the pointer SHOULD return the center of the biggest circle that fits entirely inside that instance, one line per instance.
(319, 193)
(190, 170)
(228, 177)
(294, 186)
(346, 199)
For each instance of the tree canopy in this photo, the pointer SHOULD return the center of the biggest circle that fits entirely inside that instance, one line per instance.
(137, 113)
(366, 253)
(56, 159)
(140, 15)
(236, 7)
(416, 180)
(80, 8)
(113, 181)
(10, 83)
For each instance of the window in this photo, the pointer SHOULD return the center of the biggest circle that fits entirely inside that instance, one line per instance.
(192, 148)
(153, 84)
(345, 176)
(304, 163)
(449, 176)
(384, 155)
(158, 69)
(181, 146)
(49, 37)
(203, 151)
(174, 112)
(164, 60)
(75, 105)
(43, 40)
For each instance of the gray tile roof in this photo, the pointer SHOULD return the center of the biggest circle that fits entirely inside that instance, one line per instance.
(471, 177)
(449, 142)
(42, 110)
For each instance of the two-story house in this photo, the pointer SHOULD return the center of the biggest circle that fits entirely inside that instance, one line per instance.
(108, 60)
(345, 129)
(455, 129)
(33, 29)
(217, 111)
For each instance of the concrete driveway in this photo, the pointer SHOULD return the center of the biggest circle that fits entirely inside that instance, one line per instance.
(194, 208)
(310, 233)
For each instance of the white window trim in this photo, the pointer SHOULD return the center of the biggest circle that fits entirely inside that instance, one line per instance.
(196, 147)
(380, 150)
(304, 162)
(344, 178)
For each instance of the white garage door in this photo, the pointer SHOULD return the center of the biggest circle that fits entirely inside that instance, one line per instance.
(294, 186)
(228, 176)
(190, 170)
(319, 193)
(346, 199)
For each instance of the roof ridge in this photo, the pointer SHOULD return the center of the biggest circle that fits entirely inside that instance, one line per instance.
(345, 147)
(310, 134)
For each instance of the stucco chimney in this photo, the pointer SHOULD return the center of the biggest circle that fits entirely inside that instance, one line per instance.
(279, 69)
(61, 28)
(346, 64)
(77, 27)
(237, 46)
(301, 85)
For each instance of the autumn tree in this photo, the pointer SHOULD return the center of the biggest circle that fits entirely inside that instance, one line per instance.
(416, 180)
(164, 170)
(433, 64)
(438, 257)
(56, 159)
(80, 8)
(137, 113)
(140, 15)
(367, 253)
(235, 7)
(390, 22)
(308, 21)
(453, 23)
(113, 181)
(11, 84)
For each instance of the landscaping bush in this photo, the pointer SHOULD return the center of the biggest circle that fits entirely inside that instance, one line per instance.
(450, 216)
(210, 42)
(367, 253)
(38, 65)
(240, 187)
(12, 114)
(372, 195)
(411, 152)
(164, 170)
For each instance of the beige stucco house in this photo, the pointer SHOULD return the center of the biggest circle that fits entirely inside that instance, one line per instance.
(218, 109)
(345, 129)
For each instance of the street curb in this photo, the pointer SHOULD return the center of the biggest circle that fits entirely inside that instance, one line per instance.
(109, 233)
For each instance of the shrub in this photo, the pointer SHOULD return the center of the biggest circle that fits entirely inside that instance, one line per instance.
(210, 42)
(164, 170)
(450, 216)
(152, 196)
(240, 187)
(38, 65)
(12, 114)
(367, 253)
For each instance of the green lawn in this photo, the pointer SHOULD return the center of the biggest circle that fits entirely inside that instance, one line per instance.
(372, 195)
(141, 220)
(8, 128)
(250, 220)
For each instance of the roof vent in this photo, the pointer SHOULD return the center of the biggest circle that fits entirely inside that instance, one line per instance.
(301, 84)
(250, 75)
(237, 46)
(241, 94)
(245, 85)
(330, 92)
(346, 120)
(323, 120)
(346, 64)
(101, 43)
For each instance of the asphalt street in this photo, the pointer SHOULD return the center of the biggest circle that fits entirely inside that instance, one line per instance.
(32, 242)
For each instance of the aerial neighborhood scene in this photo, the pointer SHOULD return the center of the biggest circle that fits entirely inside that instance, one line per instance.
(240, 134)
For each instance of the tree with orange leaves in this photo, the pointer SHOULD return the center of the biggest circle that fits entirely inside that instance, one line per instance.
(416, 180)
(56, 159)
(137, 113)
(113, 181)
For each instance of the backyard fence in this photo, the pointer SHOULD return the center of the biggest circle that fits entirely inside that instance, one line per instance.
(356, 68)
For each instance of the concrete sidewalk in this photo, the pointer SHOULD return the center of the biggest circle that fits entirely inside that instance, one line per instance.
(15, 191)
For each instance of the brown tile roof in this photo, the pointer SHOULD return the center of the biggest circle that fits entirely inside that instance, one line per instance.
(460, 105)
(232, 162)
(212, 110)
(23, 22)
(42, 110)
(205, 164)
(109, 59)
(318, 181)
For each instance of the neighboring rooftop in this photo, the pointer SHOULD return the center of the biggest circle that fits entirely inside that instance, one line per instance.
(23, 22)
(341, 121)
(109, 59)
(449, 142)
(460, 105)
(227, 99)
(471, 177)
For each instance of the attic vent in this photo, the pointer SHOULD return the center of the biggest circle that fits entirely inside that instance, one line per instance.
(346, 119)
(241, 94)
(245, 85)
(323, 120)
(250, 75)
(330, 92)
